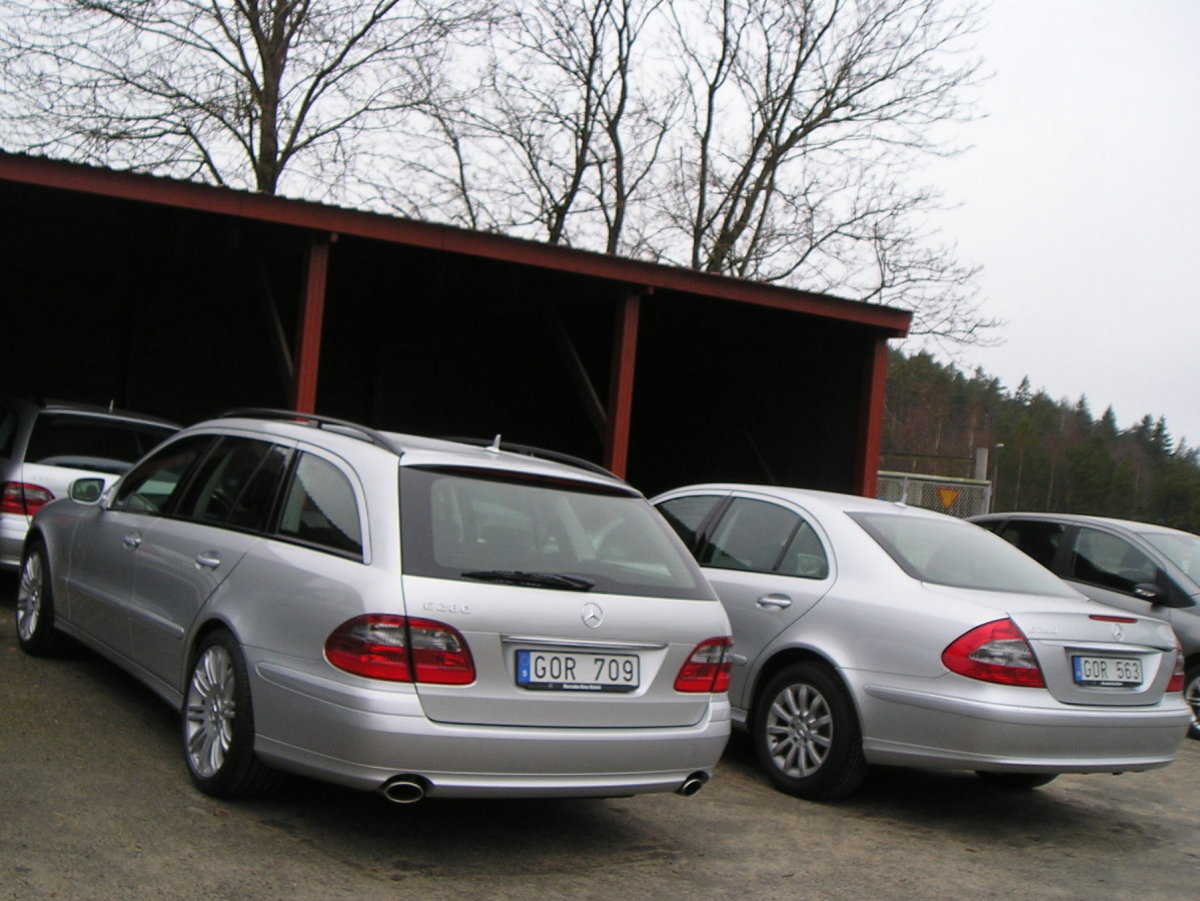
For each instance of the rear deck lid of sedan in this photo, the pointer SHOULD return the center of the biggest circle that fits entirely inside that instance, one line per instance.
(1087, 653)
(1104, 657)
(577, 604)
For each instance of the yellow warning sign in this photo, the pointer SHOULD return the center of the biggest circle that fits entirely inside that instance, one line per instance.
(948, 496)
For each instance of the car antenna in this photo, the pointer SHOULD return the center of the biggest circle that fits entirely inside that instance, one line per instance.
(495, 445)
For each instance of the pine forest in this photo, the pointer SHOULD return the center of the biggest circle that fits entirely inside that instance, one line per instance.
(1044, 454)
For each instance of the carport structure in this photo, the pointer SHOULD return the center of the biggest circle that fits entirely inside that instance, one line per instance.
(183, 300)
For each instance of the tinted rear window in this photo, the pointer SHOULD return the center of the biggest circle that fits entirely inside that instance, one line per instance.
(91, 442)
(461, 526)
(952, 552)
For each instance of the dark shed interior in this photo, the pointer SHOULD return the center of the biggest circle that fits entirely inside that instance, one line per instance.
(184, 313)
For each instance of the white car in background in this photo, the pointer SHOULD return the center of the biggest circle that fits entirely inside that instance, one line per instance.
(45, 446)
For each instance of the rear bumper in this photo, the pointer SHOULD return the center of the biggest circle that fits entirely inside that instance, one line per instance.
(13, 528)
(981, 734)
(363, 737)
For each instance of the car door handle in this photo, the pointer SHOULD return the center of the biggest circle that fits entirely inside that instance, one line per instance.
(211, 560)
(133, 542)
(774, 601)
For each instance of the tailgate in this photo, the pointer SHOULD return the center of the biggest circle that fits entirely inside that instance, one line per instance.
(563, 658)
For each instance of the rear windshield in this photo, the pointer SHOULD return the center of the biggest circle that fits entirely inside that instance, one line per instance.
(959, 554)
(492, 526)
(91, 442)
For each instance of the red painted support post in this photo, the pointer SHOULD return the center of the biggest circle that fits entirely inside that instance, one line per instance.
(620, 395)
(870, 428)
(308, 338)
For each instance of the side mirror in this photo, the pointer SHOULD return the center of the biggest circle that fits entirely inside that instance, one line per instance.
(86, 491)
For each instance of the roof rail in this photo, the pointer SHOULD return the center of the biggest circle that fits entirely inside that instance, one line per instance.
(539, 452)
(353, 429)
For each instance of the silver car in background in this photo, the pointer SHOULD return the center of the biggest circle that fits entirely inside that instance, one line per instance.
(868, 632)
(388, 612)
(45, 446)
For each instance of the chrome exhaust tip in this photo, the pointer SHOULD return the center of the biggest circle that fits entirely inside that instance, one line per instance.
(692, 784)
(404, 789)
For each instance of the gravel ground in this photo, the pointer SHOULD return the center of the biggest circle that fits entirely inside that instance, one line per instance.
(95, 803)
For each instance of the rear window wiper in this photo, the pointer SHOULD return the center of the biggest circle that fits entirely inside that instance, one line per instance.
(532, 580)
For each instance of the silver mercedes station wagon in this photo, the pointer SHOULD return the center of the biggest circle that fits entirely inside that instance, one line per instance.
(393, 613)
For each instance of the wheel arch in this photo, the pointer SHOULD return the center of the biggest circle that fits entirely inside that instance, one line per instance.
(32, 536)
(784, 658)
(199, 633)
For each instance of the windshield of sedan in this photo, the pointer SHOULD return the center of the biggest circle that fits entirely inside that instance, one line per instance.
(958, 554)
(1181, 548)
(496, 526)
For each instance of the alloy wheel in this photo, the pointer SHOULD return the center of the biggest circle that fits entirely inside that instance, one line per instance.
(799, 730)
(210, 711)
(29, 597)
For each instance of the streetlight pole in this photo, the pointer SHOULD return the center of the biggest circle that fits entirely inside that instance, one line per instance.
(995, 473)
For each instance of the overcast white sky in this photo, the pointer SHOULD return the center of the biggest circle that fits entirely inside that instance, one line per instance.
(1081, 199)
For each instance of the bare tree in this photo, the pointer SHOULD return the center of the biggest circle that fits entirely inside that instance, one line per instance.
(775, 140)
(806, 119)
(556, 140)
(234, 92)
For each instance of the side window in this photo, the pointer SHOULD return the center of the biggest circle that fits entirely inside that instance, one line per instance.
(1039, 540)
(686, 514)
(252, 509)
(151, 486)
(1111, 562)
(805, 555)
(236, 484)
(752, 535)
(320, 508)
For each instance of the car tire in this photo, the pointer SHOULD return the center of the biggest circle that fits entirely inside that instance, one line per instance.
(1191, 694)
(36, 632)
(1017, 781)
(807, 735)
(218, 723)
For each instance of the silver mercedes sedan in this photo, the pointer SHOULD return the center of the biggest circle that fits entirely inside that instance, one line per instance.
(868, 632)
(388, 612)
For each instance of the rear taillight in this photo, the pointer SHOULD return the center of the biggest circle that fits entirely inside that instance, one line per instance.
(707, 668)
(401, 649)
(24, 499)
(995, 652)
(1177, 677)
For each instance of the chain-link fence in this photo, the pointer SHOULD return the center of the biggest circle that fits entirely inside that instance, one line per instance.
(958, 497)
